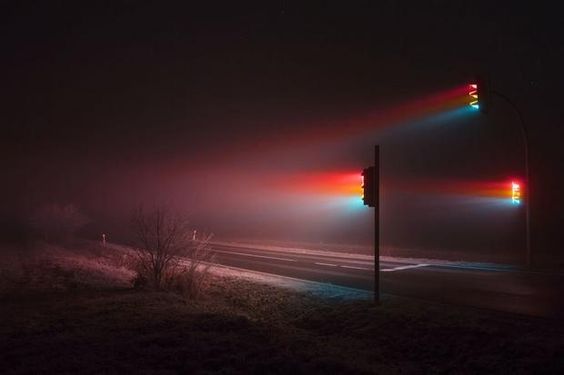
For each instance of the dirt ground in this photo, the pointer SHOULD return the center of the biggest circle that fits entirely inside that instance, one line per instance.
(84, 321)
(240, 327)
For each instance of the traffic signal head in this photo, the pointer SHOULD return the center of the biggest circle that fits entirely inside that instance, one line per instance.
(478, 94)
(515, 192)
(473, 96)
(368, 187)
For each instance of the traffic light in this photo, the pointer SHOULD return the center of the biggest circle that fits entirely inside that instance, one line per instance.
(515, 192)
(479, 94)
(473, 99)
(368, 188)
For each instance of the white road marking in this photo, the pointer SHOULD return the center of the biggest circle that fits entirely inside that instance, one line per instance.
(256, 256)
(404, 267)
(357, 268)
(326, 264)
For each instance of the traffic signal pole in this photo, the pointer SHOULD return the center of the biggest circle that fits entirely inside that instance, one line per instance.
(480, 94)
(527, 187)
(371, 198)
(377, 224)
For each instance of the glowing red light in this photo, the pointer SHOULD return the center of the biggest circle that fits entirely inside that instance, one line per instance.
(515, 192)
(473, 93)
(339, 183)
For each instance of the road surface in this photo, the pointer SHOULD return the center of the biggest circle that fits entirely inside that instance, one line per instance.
(502, 289)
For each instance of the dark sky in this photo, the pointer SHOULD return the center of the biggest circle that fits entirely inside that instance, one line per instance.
(107, 104)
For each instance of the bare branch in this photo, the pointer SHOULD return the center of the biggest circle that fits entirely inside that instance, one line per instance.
(167, 254)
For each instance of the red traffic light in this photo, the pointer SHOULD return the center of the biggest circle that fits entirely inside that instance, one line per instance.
(474, 101)
(368, 187)
(515, 192)
(478, 95)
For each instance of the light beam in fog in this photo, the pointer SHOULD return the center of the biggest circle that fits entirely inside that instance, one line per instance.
(441, 106)
(493, 191)
(345, 184)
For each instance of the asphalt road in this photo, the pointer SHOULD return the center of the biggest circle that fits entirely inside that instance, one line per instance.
(501, 289)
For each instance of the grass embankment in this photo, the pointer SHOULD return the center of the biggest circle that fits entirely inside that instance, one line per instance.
(243, 327)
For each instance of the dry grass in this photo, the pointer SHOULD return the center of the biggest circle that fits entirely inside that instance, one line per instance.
(244, 327)
(49, 267)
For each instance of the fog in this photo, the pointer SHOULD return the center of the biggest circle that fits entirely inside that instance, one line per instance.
(437, 174)
(252, 130)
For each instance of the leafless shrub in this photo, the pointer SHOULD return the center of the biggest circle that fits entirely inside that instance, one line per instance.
(167, 257)
(190, 278)
(57, 223)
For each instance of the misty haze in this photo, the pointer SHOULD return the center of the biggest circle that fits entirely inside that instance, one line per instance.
(328, 188)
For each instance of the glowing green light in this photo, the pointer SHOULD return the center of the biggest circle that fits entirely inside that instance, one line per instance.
(473, 94)
(515, 193)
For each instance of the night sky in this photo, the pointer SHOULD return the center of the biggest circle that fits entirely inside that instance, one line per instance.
(226, 111)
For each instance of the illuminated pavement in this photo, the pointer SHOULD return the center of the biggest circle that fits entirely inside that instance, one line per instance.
(481, 286)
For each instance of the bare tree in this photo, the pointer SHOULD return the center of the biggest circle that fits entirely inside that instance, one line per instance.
(166, 252)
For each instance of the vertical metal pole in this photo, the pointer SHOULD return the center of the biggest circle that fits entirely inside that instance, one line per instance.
(377, 224)
(529, 255)
(527, 187)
